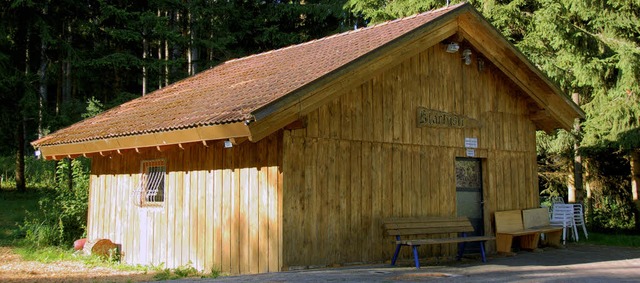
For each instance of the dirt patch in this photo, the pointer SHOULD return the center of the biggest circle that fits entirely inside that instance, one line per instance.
(14, 269)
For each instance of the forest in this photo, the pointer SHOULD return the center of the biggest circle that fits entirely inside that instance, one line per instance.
(62, 61)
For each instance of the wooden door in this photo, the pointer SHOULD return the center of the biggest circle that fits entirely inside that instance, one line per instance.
(469, 201)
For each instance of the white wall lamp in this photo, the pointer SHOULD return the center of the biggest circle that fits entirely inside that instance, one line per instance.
(466, 55)
(453, 47)
(228, 144)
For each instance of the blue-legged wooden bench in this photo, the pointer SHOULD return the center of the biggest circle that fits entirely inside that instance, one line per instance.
(424, 226)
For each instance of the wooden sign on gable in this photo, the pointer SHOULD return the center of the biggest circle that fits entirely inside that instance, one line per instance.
(434, 118)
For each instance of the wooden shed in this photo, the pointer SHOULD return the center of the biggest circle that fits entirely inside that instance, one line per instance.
(292, 157)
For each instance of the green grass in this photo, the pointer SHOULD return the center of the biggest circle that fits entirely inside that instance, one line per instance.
(14, 206)
(613, 239)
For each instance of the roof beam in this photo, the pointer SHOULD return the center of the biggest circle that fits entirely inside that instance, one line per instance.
(160, 139)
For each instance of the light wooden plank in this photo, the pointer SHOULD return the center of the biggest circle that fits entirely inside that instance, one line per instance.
(186, 212)
(243, 215)
(253, 210)
(236, 216)
(217, 205)
(227, 210)
(201, 220)
(263, 206)
(275, 194)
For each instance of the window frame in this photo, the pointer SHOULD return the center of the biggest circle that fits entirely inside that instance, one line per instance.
(153, 183)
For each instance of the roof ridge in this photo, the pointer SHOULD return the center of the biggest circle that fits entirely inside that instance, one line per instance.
(348, 32)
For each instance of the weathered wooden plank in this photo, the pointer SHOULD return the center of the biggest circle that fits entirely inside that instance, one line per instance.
(366, 194)
(346, 104)
(332, 204)
(387, 103)
(320, 247)
(375, 251)
(355, 202)
(396, 80)
(407, 82)
(428, 89)
(377, 90)
(405, 181)
(311, 205)
(357, 122)
(415, 181)
(335, 120)
(343, 195)
(397, 181)
(367, 112)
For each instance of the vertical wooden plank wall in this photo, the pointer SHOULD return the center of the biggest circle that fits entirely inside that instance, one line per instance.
(222, 207)
(361, 158)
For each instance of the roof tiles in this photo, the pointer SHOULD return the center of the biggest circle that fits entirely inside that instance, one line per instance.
(232, 90)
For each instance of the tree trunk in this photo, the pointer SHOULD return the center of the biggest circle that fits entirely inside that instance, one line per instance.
(42, 76)
(144, 64)
(589, 191)
(575, 194)
(20, 140)
(634, 162)
(190, 42)
(166, 62)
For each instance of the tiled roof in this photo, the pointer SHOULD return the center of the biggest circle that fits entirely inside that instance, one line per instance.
(230, 91)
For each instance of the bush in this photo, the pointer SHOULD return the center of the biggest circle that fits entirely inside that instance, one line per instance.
(62, 215)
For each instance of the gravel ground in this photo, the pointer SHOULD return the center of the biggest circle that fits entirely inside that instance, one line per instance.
(14, 269)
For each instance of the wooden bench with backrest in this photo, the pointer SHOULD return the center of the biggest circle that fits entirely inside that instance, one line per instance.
(527, 225)
(424, 226)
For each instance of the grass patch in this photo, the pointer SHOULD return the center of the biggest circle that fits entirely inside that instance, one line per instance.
(185, 271)
(53, 254)
(14, 209)
(613, 239)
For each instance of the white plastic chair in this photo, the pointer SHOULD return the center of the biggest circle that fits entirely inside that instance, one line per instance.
(563, 215)
(578, 218)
